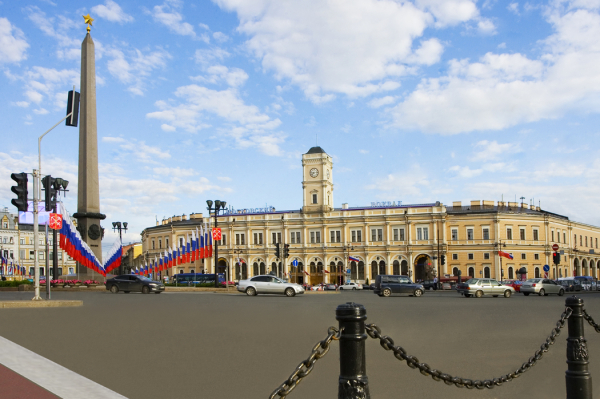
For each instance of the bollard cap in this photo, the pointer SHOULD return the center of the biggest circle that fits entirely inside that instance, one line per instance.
(351, 310)
(573, 301)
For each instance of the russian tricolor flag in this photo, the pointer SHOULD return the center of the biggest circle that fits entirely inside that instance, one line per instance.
(505, 254)
(352, 259)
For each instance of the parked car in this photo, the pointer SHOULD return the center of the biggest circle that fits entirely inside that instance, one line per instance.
(268, 284)
(516, 284)
(479, 287)
(387, 285)
(570, 284)
(132, 283)
(542, 286)
(351, 286)
(331, 287)
(446, 286)
(430, 285)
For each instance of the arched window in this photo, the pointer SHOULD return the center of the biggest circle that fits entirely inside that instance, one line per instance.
(455, 271)
(374, 270)
(274, 267)
(353, 271)
(256, 271)
(536, 272)
(313, 268)
(511, 273)
(486, 272)
(263, 268)
(382, 267)
(404, 267)
(192, 271)
(559, 272)
(471, 272)
(396, 268)
(361, 270)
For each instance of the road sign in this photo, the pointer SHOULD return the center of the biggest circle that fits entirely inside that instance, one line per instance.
(295, 263)
(347, 271)
(546, 268)
(55, 221)
(555, 247)
(216, 231)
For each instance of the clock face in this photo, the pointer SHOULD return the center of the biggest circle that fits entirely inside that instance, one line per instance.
(314, 172)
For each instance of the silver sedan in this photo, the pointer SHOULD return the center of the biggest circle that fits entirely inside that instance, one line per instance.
(541, 286)
(268, 284)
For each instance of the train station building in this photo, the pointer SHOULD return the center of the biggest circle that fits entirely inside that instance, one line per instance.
(328, 244)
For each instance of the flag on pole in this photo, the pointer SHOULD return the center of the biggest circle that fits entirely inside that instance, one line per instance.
(197, 244)
(193, 254)
(352, 259)
(187, 248)
(505, 254)
(202, 251)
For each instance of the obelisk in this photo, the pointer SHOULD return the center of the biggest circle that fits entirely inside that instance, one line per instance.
(88, 191)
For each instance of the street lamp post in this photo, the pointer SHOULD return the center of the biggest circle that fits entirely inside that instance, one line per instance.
(218, 205)
(345, 249)
(501, 245)
(120, 227)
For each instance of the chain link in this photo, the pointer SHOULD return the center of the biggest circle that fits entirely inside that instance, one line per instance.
(305, 367)
(400, 353)
(591, 321)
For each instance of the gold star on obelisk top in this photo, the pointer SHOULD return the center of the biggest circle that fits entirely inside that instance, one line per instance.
(88, 20)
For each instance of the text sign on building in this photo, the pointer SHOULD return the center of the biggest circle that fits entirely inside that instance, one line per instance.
(231, 211)
(385, 203)
(55, 221)
(216, 233)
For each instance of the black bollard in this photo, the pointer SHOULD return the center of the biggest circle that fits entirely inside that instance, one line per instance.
(578, 378)
(353, 381)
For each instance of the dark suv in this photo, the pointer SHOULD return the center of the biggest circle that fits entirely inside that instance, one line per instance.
(131, 282)
(386, 285)
(430, 285)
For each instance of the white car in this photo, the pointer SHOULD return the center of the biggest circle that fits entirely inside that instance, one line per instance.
(268, 284)
(351, 286)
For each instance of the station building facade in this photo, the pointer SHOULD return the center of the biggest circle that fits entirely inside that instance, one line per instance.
(328, 244)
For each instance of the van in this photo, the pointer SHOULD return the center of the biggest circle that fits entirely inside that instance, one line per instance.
(388, 285)
(570, 284)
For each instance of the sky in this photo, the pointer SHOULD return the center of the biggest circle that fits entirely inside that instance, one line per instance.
(422, 101)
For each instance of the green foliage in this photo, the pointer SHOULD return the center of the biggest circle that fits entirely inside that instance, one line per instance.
(14, 283)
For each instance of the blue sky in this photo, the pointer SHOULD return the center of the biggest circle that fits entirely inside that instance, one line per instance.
(431, 100)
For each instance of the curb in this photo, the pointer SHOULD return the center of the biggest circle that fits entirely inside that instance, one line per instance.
(40, 304)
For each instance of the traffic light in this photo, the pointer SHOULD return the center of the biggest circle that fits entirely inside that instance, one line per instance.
(50, 192)
(277, 252)
(21, 190)
(286, 250)
(443, 260)
(556, 258)
(72, 108)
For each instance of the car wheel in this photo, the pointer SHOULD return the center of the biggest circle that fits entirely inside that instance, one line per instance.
(507, 294)
(387, 292)
(479, 294)
(418, 293)
(561, 292)
(542, 292)
(114, 289)
(251, 291)
(290, 292)
(145, 289)
(353, 288)
(526, 293)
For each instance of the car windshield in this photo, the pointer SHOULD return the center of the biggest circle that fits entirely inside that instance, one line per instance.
(472, 281)
(534, 280)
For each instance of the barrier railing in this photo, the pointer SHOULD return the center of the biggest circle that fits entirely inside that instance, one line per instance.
(352, 333)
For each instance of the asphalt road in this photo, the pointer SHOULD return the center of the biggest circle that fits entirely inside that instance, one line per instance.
(190, 345)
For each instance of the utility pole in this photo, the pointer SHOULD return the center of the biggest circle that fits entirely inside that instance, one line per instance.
(36, 242)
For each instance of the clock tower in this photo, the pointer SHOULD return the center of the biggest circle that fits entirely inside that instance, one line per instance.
(317, 181)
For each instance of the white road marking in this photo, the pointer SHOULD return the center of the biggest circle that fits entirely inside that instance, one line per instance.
(51, 376)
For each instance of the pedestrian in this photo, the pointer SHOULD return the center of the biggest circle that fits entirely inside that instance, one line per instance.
(435, 283)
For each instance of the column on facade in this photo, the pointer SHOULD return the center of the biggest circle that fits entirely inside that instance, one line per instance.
(497, 259)
(444, 246)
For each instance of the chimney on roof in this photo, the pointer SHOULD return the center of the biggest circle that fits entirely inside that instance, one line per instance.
(456, 204)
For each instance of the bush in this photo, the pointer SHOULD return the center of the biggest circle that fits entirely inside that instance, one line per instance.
(14, 283)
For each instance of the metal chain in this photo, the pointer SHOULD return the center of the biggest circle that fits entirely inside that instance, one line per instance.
(591, 321)
(306, 366)
(400, 353)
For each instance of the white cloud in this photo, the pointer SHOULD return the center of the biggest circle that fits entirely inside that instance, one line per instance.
(208, 57)
(40, 111)
(175, 172)
(356, 47)
(13, 46)
(503, 90)
(491, 150)
(134, 67)
(57, 28)
(224, 178)
(403, 185)
(138, 149)
(168, 15)
(465, 171)
(232, 76)
(46, 85)
(22, 104)
(220, 37)
(380, 102)
(514, 8)
(112, 12)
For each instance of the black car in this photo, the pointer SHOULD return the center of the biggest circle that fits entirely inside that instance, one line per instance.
(430, 285)
(387, 285)
(130, 282)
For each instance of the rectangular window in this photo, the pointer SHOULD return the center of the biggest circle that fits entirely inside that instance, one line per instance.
(159, 243)
(335, 235)
(425, 233)
(166, 242)
(469, 234)
(318, 237)
(312, 237)
(552, 234)
(419, 234)
(356, 235)
(536, 235)
(486, 233)
(586, 241)
(295, 237)
(471, 256)
(402, 235)
(22, 254)
(314, 196)
(454, 256)
(454, 234)
(486, 255)
(564, 237)
(581, 241)
(41, 255)
(22, 240)
(32, 255)
(536, 256)
(596, 243)
(181, 242)
(59, 255)
(239, 239)
(298, 241)
(522, 234)
(31, 271)
(376, 234)
(508, 233)
(395, 233)
(224, 239)
(523, 256)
